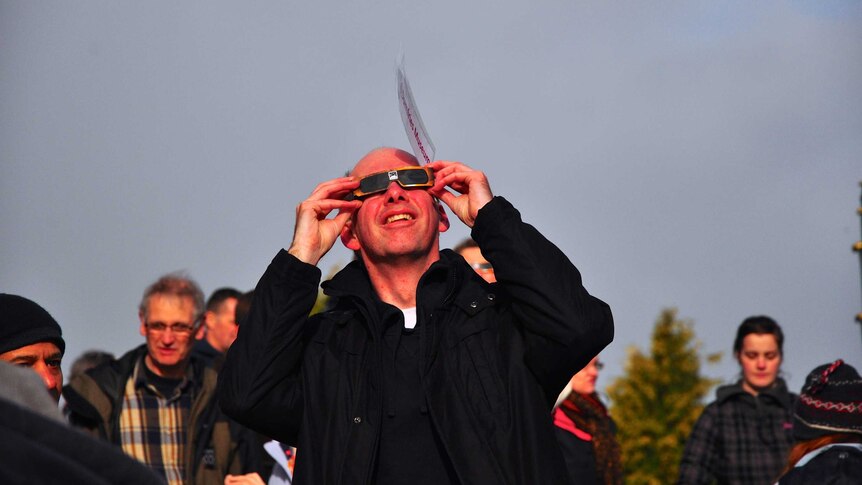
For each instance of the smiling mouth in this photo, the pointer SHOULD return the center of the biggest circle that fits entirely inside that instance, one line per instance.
(399, 217)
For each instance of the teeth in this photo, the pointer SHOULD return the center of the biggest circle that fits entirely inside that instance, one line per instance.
(398, 217)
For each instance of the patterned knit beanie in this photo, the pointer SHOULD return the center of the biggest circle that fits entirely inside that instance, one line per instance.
(830, 402)
(23, 323)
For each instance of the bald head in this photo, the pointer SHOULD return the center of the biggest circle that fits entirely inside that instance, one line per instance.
(381, 159)
(397, 222)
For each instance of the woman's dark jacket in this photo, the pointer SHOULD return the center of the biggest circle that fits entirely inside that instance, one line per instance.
(740, 438)
(492, 359)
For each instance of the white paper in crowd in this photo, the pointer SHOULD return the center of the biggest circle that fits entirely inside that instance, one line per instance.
(423, 148)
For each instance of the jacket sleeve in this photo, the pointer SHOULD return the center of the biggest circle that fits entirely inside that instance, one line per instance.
(260, 382)
(701, 450)
(563, 325)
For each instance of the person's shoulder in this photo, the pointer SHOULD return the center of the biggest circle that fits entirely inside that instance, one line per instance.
(729, 393)
(108, 378)
(203, 351)
(780, 395)
(120, 368)
(840, 463)
(22, 386)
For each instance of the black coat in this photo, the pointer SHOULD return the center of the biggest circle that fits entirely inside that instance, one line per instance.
(492, 358)
(841, 464)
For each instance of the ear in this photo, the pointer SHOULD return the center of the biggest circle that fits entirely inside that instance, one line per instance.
(208, 320)
(200, 332)
(348, 238)
(443, 226)
(143, 328)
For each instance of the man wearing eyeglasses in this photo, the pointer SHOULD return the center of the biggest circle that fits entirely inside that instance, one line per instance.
(421, 372)
(157, 403)
(469, 250)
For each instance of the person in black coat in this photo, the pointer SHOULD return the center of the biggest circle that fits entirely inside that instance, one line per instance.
(421, 372)
(827, 424)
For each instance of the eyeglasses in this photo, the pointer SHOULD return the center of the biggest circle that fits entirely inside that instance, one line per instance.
(482, 267)
(183, 329)
(411, 177)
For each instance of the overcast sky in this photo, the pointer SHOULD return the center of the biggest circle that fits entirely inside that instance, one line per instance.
(702, 155)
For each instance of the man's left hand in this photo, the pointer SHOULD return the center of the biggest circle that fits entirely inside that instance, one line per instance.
(472, 185)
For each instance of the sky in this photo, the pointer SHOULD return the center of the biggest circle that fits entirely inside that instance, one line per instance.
(698, 155)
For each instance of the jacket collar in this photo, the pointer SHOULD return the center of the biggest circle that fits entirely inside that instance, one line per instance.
(778, 393)
(448, 280)
(446, 277)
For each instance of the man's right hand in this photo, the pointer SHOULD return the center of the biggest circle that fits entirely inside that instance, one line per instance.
(314, 234)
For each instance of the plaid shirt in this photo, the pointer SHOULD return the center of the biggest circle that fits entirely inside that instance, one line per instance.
(153, 428)
(740, 438)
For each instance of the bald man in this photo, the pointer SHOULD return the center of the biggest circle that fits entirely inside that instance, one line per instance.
(422, 372)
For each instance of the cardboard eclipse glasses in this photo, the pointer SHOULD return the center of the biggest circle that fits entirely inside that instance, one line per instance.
(410, 177)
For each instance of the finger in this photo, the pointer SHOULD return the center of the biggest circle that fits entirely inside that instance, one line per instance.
(444, 195)
(458, 181)
(444, 167)
(322, 208)
(335, 188)
(464, 172)
(443, 164)
(343, 216)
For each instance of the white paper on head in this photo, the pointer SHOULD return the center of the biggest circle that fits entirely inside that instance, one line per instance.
(423, 148)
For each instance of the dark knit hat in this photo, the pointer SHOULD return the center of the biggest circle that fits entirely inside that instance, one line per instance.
(830, 402)
(23, 322)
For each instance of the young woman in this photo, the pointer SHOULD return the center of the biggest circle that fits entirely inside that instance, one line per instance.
(586, 432)
(745, 434)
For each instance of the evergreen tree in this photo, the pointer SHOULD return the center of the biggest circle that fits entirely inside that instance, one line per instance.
(322, 301)
(657, 400)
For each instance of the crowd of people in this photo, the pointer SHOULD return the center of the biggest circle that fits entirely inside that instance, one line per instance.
(427, 366)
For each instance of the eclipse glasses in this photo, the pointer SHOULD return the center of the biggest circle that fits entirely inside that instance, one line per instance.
(410, 177)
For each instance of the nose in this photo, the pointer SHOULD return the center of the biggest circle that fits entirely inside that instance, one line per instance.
(761, 362)
(168, 336)
(53, 379)
(395, 192)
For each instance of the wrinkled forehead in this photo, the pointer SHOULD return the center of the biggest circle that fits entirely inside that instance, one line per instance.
(383, 159)
(163, 302)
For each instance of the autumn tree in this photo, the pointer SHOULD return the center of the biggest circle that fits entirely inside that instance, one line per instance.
(657, 400)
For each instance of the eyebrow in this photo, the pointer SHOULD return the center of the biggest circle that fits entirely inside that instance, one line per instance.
(30, 358)
(24, 359)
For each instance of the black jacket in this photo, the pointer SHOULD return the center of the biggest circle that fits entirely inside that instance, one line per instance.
(217, 445)
(838, 464)
(36, 449)
(492, 359)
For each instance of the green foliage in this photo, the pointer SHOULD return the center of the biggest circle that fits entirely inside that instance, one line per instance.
(657, 400)
(320, 303)
(323, 300)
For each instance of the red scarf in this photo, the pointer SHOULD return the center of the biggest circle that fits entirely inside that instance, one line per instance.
(590, 415)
